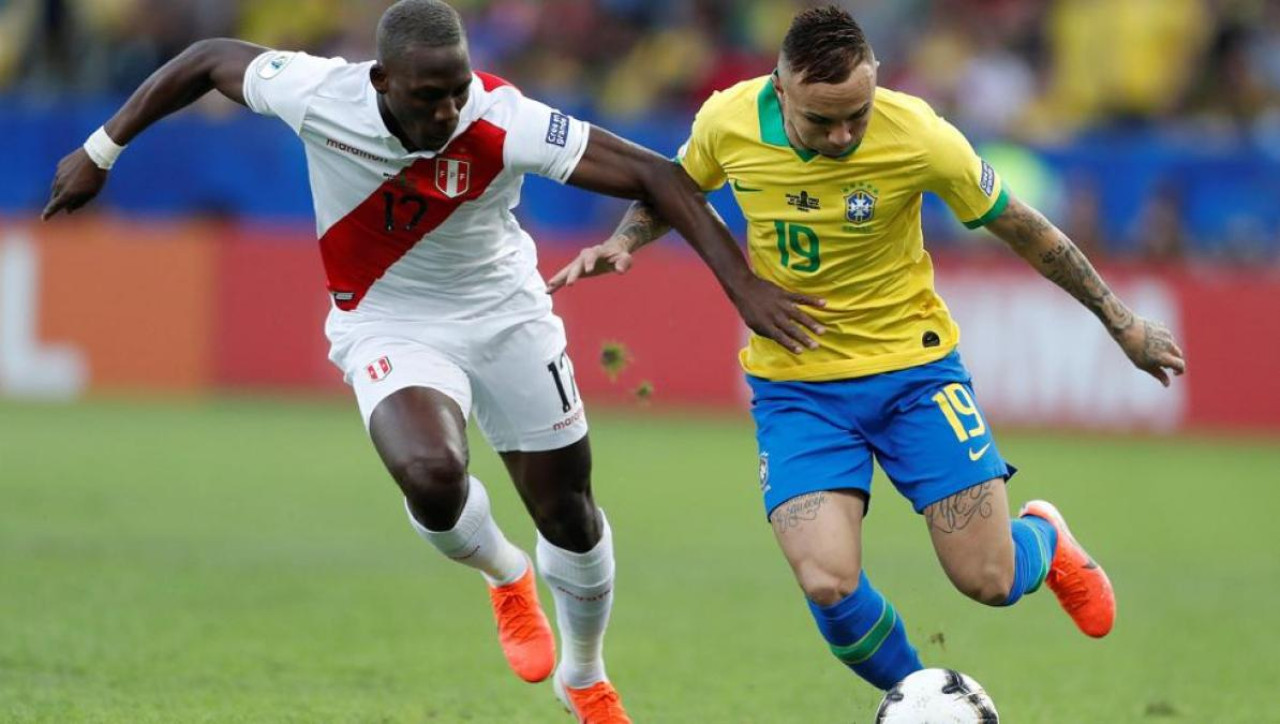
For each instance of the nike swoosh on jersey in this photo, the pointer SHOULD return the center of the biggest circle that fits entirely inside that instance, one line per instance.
(744, 189)
(976, 456)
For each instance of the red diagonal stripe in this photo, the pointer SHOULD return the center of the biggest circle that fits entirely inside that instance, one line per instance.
(491, 81)
(359, 249)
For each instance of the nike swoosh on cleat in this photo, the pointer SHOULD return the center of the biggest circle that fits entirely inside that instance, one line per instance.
(1090, 565)
(743, 189)
(976, 456)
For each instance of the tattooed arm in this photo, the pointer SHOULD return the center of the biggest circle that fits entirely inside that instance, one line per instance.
(1148, 344)
(640, 225)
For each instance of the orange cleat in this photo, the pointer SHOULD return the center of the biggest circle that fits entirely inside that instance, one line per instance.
(523, 629)
(596, 704)
(1081, 585)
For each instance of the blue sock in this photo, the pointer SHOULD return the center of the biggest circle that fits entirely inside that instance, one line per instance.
(866, 634)
(1034, 541)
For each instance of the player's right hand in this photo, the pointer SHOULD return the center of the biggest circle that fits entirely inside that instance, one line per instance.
(76, 182)
(773, 312)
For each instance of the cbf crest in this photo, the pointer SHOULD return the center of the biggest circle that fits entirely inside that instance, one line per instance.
(860, 203)
(764, 472)
(453, 177)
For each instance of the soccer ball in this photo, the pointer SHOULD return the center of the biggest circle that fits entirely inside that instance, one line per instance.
(937, 696)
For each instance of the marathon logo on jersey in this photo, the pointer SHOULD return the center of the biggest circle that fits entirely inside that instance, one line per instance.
(272, 68)
(346, 148)
(558, 129)
(379, 369)
(453, 177)
(860, 203)
(988, 182)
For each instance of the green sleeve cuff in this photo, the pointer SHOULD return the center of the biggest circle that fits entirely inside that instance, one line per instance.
(998, 208)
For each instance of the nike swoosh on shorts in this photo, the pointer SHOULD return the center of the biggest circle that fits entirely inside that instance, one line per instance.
(976, 456)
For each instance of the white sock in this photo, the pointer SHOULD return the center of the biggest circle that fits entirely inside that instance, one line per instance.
(582, 585)
(476, 541)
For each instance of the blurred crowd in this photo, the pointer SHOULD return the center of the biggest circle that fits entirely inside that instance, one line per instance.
(1035, 71)
(1014, 68)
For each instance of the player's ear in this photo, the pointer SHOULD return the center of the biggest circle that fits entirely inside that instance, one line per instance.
(378, 76)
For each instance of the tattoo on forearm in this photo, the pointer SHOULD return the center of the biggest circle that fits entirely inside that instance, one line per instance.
(1156, 343)
(641, 225)
(1065, 265)
(1070, 270)
(797, 511)
(958, 511)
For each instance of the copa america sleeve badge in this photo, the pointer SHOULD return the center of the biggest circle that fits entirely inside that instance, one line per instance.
(272, 68)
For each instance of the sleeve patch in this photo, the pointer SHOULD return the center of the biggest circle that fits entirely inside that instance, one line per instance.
(272, 68)
(558, 129)
(988, 182)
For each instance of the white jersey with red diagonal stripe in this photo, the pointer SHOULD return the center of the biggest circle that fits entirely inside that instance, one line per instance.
(417, 236)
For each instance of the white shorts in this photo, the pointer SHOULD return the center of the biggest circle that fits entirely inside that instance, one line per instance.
(517, 374)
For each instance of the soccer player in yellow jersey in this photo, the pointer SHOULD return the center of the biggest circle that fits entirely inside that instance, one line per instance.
(829, 170)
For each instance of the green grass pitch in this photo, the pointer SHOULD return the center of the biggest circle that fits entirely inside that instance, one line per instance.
(246, 561)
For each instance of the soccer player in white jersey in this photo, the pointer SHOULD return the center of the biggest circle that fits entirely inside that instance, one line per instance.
(437, 306)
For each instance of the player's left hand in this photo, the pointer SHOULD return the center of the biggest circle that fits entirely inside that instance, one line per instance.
(777, 314)
(611, 256)
(1151, 348)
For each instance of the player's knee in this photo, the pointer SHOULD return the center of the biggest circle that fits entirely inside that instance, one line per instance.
(827, 586)
(434, 479)
(987, 583)
(569, 521)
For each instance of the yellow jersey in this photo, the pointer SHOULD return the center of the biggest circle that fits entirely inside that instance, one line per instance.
(845, 229)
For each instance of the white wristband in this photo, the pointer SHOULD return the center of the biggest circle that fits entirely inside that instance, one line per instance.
(102, 150)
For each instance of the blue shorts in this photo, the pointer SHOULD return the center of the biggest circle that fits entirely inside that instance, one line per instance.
(921, 424)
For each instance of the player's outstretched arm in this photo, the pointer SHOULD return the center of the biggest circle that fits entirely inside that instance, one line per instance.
(207, 65)
(639, 226)
(617, 167)
(1147, 343)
